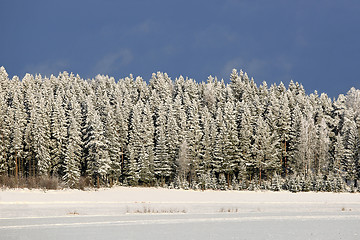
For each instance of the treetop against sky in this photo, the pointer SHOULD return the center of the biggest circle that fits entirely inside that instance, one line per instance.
(312, 42)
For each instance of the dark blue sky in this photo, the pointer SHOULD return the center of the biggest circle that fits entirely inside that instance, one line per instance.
(316, 43)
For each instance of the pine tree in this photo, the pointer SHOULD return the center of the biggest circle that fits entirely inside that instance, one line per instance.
(58, 133)
(194, 137)
(72, 156)
(137, 140)
(202, 135)
(162, 165)
(206, 144)
(231, 151)
(218, 150)
(97, 156)
(17, 118)
(121, 117)
(3, 126)
(306, 153)
(183, 162)
(113, 144)
(41, 131)
(172, 135)
(338, 155)
(294, 150)
(146, 174)
(322, 148)
(265, 161)
(132, 168)
(283, 130)
(246, 137)
(238, 83)
(351, 151)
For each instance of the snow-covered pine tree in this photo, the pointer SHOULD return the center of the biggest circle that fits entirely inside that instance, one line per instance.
(3, 137)
(321, 164)
(147, 160)
(58, 133)
(238, 82)
(246, 138)
(206, 144)
(146, 174)
(294, 163)
(312, 135)
(194, 138)
(96, 152)
(17, 118)
(218, 149)
(113, 145)
(350, 163)
(306, 153)
(73, 155)
(162, 164)
(172, 135)
(231, 151)
(183, 163)
(41, 133)
(283, 130)
(265, 161)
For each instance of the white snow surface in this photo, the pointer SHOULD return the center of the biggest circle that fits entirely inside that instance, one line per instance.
(125, 200)
(157, 213)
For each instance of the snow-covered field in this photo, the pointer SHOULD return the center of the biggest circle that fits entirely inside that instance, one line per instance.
(150, 213)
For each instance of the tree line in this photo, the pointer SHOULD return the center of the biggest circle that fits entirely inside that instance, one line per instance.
(178, 133)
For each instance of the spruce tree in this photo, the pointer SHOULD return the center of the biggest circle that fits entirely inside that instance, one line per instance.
(97, 156)
(72, 154)
(162, 164)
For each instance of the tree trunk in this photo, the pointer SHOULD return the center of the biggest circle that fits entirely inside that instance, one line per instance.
(21, 173)
(29, 168)
(16, 166)
(260, 176)
(122, 159)
(285, 159)
(228, 179)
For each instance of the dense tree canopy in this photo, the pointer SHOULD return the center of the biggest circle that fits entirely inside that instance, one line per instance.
(178, 133)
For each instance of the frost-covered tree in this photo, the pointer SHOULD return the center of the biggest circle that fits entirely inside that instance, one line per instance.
(3, 133)
(73, 150)
(350, 163)
(265, 162)
(162, 161)
(246, 136)
(179, 133)
(41, 133)
(206, 144)
(231, 151)
(321, 161)
(96, 152)
(183, 162)
(58, 132)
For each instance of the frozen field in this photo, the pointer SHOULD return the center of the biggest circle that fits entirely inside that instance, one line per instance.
(149, 213)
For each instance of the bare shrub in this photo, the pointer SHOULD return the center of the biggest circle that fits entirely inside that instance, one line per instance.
(31, 182)
(49, 183)
(84, 183)
(8, 182)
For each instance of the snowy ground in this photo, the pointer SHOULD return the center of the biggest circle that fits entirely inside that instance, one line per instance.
(149, 213)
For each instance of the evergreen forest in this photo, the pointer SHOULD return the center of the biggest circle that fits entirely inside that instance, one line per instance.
(178, 133)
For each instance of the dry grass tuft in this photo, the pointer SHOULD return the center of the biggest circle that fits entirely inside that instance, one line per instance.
(149, 210)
